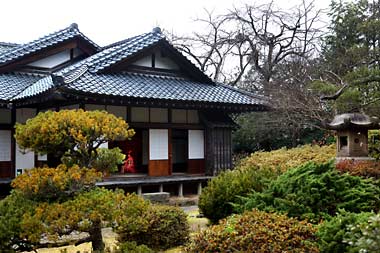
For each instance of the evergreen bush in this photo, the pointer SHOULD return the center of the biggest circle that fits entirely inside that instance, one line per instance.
(12, 209)
(365, 237)
(374, 143)
(108, 160)
(215, 200)
(332, 234)
(314, 191)
(160, 227)
(132, 247)
(253, 174)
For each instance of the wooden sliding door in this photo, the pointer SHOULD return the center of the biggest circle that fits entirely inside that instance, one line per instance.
(159, 152)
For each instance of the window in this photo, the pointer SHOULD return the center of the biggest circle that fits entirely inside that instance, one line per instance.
(343, 142)
(159, 115)
(179, 116)
(5, 116)
(118, 111)
(23, 114)
(140, 114)
(93, 107)
(185, 116)
(192, 117)
(5, 145)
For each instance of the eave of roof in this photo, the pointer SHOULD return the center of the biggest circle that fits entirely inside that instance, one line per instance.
(12, 84)
(141, 86)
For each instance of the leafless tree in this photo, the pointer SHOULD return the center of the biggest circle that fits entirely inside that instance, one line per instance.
(245, 46)
(213, 47)
(264, 49)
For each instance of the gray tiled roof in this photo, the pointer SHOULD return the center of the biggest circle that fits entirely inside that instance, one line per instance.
(5, 46)
(44, 42)
(86, 76)
(11, 84)
(134, 85)
(119, 51)
(158, 87)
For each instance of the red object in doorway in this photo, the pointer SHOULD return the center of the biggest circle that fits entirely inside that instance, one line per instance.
(129, 164)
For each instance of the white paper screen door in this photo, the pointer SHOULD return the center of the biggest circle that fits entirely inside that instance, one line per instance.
(158, 144)
(196, 144)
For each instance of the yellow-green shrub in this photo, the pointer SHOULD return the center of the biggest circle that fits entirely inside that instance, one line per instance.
(49, 184)
(74, 133)
(283, 159)
(257, 231)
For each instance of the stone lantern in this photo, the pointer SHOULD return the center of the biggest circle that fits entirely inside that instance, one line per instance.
(352, 134)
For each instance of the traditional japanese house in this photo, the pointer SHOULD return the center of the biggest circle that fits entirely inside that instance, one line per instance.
(179, 114)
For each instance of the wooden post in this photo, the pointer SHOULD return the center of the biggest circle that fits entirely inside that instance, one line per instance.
(180, 190)
(139, 190)
(161, 189)
(199, 188)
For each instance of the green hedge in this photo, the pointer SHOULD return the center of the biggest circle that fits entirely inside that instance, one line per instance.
(365, 236)
(332, 234)
(12, 209)
(253, 174)
(132, 247)
(159, 228)
(215, 200)
(315, 192)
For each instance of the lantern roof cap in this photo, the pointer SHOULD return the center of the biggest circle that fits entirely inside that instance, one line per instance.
(353, 121)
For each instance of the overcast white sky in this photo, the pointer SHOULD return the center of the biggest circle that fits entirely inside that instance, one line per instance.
(108, 21)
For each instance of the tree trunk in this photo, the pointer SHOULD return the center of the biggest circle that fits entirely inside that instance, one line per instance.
(96, 237)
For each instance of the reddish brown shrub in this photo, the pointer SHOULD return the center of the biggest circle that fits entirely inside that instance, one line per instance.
(366, 169)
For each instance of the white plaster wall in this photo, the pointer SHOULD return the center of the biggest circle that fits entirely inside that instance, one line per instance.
(24, 161)
(42, 157)
(53, 60)
(164, 62)
(144, 62)
(159, 61)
